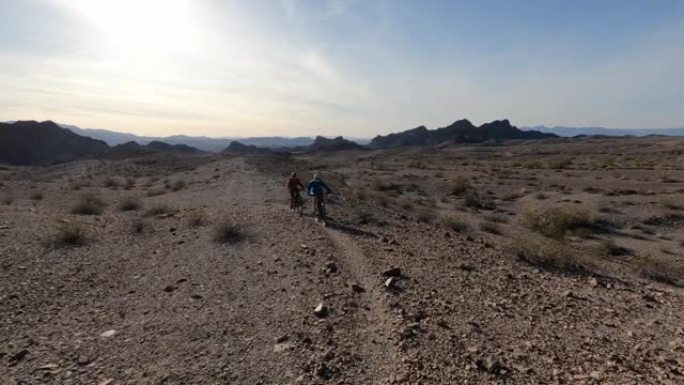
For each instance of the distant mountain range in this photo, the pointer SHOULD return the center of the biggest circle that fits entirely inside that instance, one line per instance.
(461, 131)
(203, 143)
(575, 131)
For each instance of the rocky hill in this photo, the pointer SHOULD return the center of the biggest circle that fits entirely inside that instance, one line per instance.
(31, 142)
(239, 148)
(336, 144)
(461, 131)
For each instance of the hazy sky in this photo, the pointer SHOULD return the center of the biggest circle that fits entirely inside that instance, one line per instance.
(351, 67)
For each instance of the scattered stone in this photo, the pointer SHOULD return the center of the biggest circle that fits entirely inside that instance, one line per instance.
(18, 356)
(568, 294)
(321, 311)
(108, 333)
(196, 296)
(303, 246)
(331, 267)
(391, 283)
(281, 347)
(106, 382)
(593, 282)
(4, 227)
(392, 272)
(492, 365)
(323, 371)
(356, 288)
(48, 367)
(169, 288)
(282, 338)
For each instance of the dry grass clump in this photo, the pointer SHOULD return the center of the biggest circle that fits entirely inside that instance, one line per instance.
(659, 270)
(490, 227)
(227, 232)
(89, 204)
(551, 255)
(178, 185)
(474, 200)
(130, 204)
(424, 215)
(155, 192)
(7, 200)
(453, 223)
(459, 186)
(36, 196)
(111, 183)
(69, 234)
(668, 204)
(159, 209)
(198, 218)
(556, 222)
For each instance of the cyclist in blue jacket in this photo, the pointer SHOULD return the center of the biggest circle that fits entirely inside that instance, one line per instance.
(317, 189)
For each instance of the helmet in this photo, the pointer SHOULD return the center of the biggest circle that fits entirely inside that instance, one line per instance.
(316, 176)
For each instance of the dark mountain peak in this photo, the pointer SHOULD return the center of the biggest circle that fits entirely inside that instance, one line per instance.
(236, 147)
(461, 131)
(336, 144)
(163, 146)
(31, 142)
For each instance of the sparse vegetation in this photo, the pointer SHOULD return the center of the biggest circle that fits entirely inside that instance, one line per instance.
(178, 185)
(197, 218)
(130, 204)
(159, 209)
(454, 223)
(556, 222)
(474, 200)
(459, 186)
(227, 231)
(490, 227)
(552, 255)
(88, 204)
(36, 196)
(660, 271)
(69, 234)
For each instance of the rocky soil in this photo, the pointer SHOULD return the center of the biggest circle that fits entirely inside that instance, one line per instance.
(378, 298)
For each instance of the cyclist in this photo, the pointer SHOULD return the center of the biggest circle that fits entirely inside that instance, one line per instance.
(317, 189)
(294, 186)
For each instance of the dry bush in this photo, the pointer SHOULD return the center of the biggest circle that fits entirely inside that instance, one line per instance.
(159, 209)
(424, 215)
(155, 192)
(36, 196)
(69, 234)
(496, 218)
(474, 200)
(454, 223)
(459, 186)
(490, 227)
(89, 204)
(7, 200)
(513, 195)
(668, 204)
(610, 248)
(130, 204)
(556, 222)
(138, 226)
(552, 255)
(659, 270)
(198, 218)
(179, 185)
(227, 231)
(111, 183)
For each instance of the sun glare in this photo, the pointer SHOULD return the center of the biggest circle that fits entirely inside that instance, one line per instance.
(151, 26)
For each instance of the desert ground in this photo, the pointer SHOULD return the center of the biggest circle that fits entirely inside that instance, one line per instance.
(533, 262)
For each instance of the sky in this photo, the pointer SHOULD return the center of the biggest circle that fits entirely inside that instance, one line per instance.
(340, 67)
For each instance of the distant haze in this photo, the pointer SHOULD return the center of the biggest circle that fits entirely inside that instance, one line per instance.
(340, 67)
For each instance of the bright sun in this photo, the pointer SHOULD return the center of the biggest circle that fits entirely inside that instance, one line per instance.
(152, 26)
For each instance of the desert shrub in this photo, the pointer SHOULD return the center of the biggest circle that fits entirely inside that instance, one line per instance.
(513, 195)
(69, 234)
(540, 195)
(406, 204)
(179, 185)
(197, 218)
(159, 209)
(559, 163)
(668, 204)
(453, 223)
(496, 218)
(459, 186)
(7, 200)
(659, 270)
(111, 183)
(138, 226)
(227, 231)
(610, 248)
(36, 196)
(551, 255)
(155, 192)
(474, 200)
(130, 204)
(556, 222)
(424, 215)
(490, 227)
(88, 204)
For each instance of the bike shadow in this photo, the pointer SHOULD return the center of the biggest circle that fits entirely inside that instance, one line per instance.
(347, 229)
